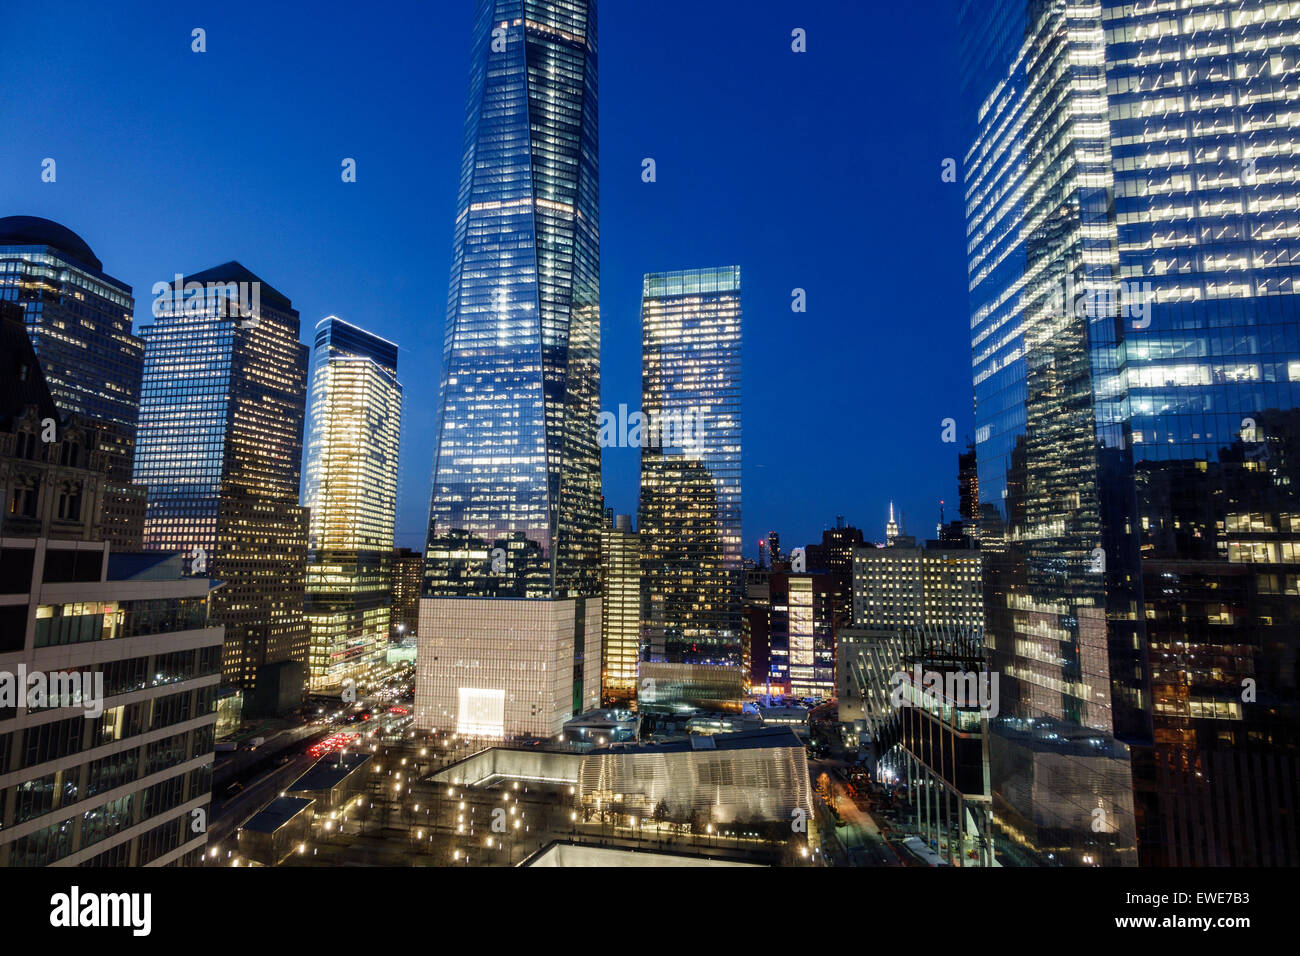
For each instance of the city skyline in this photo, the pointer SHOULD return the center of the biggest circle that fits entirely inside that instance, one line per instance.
(1072, 328)
(367, 248)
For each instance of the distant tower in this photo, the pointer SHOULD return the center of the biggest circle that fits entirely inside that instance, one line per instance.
(891, 527)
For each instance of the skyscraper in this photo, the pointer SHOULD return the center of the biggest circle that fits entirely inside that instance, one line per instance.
(220, 449)
(1131, 197)
(79, 321)
(968, 491)
(355, 404)
(620, 626)
(516, 510)
(690, 481)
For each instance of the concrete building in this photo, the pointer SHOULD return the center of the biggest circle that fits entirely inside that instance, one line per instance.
(504, 667)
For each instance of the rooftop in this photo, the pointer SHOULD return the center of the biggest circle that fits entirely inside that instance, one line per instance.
(328, 772)
(276, 814)
(236, 272)
(35, 231)
(742, 740)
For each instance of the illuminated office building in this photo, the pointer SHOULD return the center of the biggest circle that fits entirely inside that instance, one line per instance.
(355, 404)
(693, 580)
(220, 449)
(903, 586)
(79, 321)
(510, 625)
(108, 762)
(620, 631)
(801, 635)
(1131, 196)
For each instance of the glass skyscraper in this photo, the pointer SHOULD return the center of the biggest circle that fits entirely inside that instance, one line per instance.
(79, 320)
(355, 406)
(517, 464)
(220, 449)
(1131, 198)
(693, 582)
(515, 510)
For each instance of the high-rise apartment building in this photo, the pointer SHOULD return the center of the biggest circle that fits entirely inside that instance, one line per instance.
(510, 625)
(693, 581)
(620, 625)
(220, 449)
(79, 321)
(355, 407)
(1131, 197)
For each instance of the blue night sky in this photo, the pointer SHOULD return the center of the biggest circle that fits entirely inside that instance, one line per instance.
(818, 170)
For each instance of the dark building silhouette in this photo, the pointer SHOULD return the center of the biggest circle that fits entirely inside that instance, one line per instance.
(408, 573)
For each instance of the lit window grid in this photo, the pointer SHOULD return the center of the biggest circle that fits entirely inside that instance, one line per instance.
(517, 451)
(620, 614)
(691, 498)
(220, 448)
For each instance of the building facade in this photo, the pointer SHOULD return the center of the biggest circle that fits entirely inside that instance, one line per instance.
(515, 515)
(355, 406)
(801, 635)
(620, 630)
(79, 321)
(220, 449)
(903, 586)
(108, 664)
(693, 580)
(755, 775)
(1135, 407)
